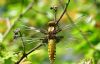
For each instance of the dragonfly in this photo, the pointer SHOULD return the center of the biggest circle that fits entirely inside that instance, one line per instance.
(50, 36)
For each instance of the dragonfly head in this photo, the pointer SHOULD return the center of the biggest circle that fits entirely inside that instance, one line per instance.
(52, 23)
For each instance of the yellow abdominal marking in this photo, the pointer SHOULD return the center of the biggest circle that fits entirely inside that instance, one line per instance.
(51, 50)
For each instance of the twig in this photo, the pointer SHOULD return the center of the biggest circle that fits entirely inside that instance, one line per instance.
(63, 11)
(72, 22)
(38, 46)
(18, 18)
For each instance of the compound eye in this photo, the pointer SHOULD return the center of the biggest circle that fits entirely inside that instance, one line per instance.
(51, 23)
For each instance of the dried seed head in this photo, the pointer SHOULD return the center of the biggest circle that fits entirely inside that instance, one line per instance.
(54, 8)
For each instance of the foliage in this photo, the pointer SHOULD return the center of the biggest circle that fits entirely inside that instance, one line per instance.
(16, 14)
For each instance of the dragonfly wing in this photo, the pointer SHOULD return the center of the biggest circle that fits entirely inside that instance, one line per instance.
(31, 37)
(71, 33)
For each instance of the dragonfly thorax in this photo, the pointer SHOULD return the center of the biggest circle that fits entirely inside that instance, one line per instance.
(52, 30)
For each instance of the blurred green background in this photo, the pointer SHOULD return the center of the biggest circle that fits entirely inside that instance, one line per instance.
(73, 49)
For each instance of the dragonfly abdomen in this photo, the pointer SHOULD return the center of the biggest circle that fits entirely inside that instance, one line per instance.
(51, 50)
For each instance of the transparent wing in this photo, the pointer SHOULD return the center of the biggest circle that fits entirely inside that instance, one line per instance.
(71, 33)
(72, 37)
(31, 37)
